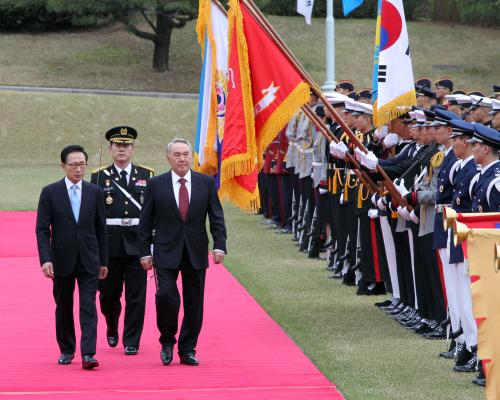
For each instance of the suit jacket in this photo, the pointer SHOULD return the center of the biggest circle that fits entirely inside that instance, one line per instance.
(61, 239)
(161, 213)
(122, 240)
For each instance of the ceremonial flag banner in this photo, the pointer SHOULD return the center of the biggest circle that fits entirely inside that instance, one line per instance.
(350, 5)
(305, 8)
(483, 248)
(264, 91)
(211, 28)
(393, 88)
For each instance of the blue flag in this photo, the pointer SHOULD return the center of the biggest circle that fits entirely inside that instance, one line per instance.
(349, 5)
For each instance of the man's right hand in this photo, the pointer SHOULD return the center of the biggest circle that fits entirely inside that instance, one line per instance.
(48, 270)
(147, 262)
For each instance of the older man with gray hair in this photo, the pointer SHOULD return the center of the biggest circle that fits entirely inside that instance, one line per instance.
(176, 207)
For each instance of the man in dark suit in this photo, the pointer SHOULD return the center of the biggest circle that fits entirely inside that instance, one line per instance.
(71, 237)
(124, 185)
(176, 207)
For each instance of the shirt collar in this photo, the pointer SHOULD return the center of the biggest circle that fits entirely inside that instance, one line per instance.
(70, 184)
(465, 161)
(483, 170)
(176, 177)
(448, 150)
(128, 169)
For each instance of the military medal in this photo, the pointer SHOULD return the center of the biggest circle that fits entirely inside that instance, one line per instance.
(458, 201)
(441, 188)
(107, 182)
(109, 200)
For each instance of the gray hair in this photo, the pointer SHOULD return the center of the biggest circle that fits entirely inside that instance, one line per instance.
(179, 140)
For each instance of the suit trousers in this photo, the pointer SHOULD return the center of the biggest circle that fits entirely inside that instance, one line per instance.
(63, 290)
(126, 270)
(168, 304)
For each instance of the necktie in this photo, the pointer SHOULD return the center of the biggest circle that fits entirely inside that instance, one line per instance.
(123, 179)
(183, 199)
(75, 201)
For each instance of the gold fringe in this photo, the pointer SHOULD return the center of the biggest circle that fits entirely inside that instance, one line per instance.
(233, 192)
(202, 22)
(346, 186)
(335, 189)
(280, 117)
(360, 196)
(241, 164)
(393, 109)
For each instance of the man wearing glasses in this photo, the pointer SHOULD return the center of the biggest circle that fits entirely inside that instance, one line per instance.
(124, 185)
(71, 237)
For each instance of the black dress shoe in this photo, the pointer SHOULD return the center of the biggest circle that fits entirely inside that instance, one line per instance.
(167, 354)
(89, 362)
(65, 359)
(189, 359)
(471, 365)
(450, 354)
(438, 333)
(130, 350)
(112, 339)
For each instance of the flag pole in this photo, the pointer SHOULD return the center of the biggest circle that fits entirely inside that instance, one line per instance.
(329, 136)
(264, 23)
(330, 84)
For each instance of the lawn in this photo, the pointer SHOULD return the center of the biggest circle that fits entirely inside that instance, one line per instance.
(112, 58)
(367, 355)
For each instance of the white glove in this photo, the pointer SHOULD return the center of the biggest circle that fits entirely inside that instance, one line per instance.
(391, 140)
(403, 211)
(369, 160)
(323, 191)
(381, 132)
(333, 147)
(342, 198)
(372, 213)
(401, 188)
(374, 199)
(381, 204)
(414, 217)
(357, 154)
(341, 150)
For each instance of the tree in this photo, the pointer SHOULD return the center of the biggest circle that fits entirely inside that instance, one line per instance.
(162, 17)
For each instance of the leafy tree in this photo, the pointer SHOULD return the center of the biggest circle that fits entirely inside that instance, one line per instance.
(161, 16)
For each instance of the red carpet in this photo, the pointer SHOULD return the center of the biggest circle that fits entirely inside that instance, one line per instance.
(243, 353)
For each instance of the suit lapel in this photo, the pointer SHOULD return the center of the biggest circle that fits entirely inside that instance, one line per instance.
(85, 200)
(193, 194)
(66, 203)
(169, 190)
(133, 178)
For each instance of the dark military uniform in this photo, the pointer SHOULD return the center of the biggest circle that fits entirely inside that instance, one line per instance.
(122, 220)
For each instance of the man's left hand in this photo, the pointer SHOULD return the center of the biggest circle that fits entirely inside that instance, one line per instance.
(103, 272)
(218, 256)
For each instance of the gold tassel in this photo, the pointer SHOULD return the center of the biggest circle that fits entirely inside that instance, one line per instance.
(346, 186)
(394, 214)
(335, 189)
(360, 196)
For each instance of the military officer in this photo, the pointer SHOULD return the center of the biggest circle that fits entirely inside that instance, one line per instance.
(124, 185)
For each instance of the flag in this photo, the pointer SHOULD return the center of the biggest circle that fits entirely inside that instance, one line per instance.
(392, 88)
(211, 28)
(305, 8)
(350, 5)
(264, 91)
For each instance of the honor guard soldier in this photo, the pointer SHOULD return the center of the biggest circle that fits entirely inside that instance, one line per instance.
(486, 187)
(124, 185)
(444, 86)
(495, 114)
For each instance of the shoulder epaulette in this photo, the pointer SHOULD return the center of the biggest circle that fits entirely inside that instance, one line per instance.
(145, 167)
(95, 171)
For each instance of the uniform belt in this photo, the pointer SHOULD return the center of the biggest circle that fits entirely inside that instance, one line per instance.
(441, 207)
(317, 164)
(305, 151)
(122, 221)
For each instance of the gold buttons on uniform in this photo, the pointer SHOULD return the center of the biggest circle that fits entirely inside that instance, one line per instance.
(126, 212)
(126, 202)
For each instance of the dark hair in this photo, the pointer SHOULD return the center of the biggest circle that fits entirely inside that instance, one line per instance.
(74, 148)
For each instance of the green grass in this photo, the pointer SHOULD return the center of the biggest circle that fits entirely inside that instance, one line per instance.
(366, 354)
(112, 58)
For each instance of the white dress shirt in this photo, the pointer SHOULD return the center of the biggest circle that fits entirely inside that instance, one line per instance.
(127, 169)
(69, 186)
(176, 184)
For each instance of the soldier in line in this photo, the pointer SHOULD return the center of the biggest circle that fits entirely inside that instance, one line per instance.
(124, 185)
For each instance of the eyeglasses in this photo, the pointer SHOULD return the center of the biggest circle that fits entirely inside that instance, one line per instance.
(76, 165)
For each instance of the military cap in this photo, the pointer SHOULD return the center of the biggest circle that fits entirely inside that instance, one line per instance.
(418, 115)
(336, 99)
(445, 82)
(458, 92)
(444, 117)
(480, 101)
(461, 128)
(476, 93)
(486, 135)
(496, 89)
(426, 91)
(350, 105)
(422, 82)
(353, 95)
(365, 94)
(495, 106)
(347, 85)
(362, 109)
(121, 134)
